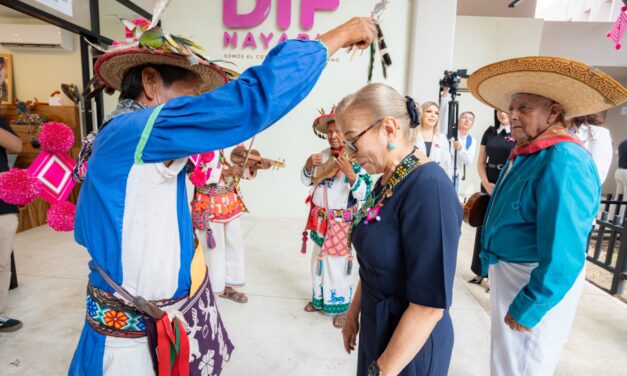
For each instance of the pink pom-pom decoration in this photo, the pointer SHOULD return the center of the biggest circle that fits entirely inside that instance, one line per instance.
(56, 137)
(61, 216)
(19, 187)
(207, 157)
(142, 22)
(198, 178)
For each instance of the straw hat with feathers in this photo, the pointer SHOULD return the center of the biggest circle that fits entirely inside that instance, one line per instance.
(147, 43)
(321, 123)
(578, 88)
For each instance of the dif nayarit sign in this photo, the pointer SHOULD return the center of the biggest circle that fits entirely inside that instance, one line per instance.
(246, 44)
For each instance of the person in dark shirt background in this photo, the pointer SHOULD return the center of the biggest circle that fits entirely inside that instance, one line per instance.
(621, 172)
(9, 143)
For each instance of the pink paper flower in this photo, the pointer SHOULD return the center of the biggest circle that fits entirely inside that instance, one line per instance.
(61, 216)
(141, 22)
(56, 137)
(207, 157)
(198, 177)
(19, 187)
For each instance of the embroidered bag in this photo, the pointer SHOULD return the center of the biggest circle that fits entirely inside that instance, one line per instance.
(336, 238)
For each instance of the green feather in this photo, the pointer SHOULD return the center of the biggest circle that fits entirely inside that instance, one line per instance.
(187, 42)
(152, 38)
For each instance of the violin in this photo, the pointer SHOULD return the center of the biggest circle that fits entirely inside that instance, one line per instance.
(328, 169)
(240, 155)
(475, 208)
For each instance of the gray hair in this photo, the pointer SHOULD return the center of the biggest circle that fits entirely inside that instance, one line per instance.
(375, 102)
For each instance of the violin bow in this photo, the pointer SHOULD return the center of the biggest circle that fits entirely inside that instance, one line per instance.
(250, 148)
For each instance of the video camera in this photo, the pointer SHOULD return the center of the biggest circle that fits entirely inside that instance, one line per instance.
(452, 79)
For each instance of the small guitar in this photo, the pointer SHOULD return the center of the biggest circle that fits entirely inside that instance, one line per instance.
(475, 208)
(328, 169)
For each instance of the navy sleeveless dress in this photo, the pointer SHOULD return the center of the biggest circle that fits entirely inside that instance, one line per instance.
(409, 256)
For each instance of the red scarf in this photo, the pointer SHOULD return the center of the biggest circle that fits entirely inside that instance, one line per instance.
(553, 135)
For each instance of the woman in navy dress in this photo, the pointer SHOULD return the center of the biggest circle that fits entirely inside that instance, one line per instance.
(406, 238)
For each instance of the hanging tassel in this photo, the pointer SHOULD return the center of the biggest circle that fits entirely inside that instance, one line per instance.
(303, 248)
(386, 60)
(211, 240)
(349, 267)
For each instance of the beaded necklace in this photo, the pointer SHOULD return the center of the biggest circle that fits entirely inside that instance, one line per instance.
(370, 210)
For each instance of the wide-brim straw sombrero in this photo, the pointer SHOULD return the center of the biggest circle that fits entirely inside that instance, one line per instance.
(111, 67)
(321, 124)
(578, 88)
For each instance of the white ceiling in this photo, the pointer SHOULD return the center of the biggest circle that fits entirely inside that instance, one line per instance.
(496, 8)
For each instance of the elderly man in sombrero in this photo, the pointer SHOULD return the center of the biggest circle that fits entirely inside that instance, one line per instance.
(150, 308)
(538, 220)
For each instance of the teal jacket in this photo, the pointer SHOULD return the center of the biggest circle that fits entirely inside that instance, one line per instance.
(541, 211)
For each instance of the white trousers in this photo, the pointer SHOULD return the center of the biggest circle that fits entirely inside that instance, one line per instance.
(332, 286)
(527, 354)
(226, 261)
(621, 182)
(8, 226)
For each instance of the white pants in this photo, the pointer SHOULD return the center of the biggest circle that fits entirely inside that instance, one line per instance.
(527, 354)
(226, 260)
(8, 226)
(621, 182)
(333, 288)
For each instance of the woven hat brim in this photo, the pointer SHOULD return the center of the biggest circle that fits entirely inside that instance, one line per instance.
(578, 88)
(321, 124)
(110, 67)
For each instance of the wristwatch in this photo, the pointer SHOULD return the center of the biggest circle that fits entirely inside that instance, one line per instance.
(373, 369)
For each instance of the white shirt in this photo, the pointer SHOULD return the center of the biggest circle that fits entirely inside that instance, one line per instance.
(598, 141)
(440, 151)
(466, 156)
(504, 126)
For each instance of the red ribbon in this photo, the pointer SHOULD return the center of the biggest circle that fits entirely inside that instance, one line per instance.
(172, 347)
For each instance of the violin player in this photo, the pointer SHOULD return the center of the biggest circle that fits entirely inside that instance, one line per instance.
(216, 210)
(339, 186)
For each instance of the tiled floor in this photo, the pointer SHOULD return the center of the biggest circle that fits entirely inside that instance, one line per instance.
(272, 333)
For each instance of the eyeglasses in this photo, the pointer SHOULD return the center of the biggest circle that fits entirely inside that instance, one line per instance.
(351, 144)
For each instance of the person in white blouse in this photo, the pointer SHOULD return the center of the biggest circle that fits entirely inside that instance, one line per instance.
(597, 139)
(431, 141)
(465, 146)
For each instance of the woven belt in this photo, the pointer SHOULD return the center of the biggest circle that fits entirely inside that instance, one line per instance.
(215, 189)
(110, 316)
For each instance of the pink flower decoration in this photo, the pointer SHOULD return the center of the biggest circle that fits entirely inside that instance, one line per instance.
(198, 177)
(61, 216)
(141, 22)
(19, 187)
(116, 43)
(207, 157)
(56, 137)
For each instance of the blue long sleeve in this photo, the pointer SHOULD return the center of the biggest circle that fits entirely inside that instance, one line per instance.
(237, 111)
(567, 195)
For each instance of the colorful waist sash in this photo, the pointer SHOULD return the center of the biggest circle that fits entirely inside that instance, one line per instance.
(107, 315)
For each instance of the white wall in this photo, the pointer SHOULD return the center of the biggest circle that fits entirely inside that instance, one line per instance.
(280, 193)
(579, 10)
(583, 41)
(484, 40)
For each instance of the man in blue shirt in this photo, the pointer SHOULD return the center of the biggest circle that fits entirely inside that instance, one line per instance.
(540, 213)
